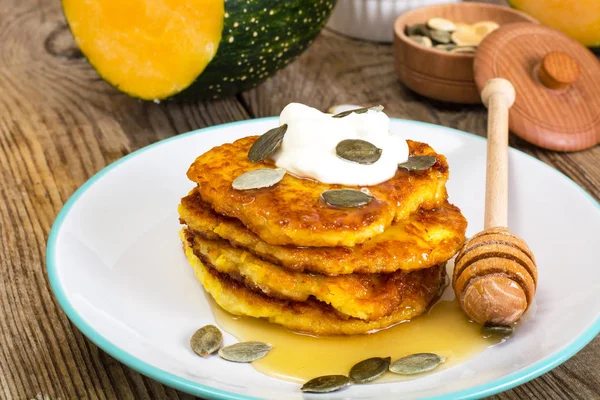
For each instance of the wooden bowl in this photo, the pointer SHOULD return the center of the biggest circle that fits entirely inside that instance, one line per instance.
(436, 73)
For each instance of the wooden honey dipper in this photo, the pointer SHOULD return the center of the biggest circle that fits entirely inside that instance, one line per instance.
(495, 274)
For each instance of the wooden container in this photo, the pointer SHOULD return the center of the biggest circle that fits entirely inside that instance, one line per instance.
(438, 74)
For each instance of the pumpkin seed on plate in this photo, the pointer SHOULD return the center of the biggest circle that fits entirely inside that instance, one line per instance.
(359, 151)
(267, 143)
(206, 340)
(441, 24)
(358, 111)
(258, 178)
(346, 198)
(326, 384)
(418, 163)
(497, 330)
(422, 40)
(369, 369)
(245, 352)
(416, 363)
(440, 36)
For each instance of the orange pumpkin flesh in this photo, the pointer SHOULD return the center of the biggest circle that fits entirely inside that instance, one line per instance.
(151, 49)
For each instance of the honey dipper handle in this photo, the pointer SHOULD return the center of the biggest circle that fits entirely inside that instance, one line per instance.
(498, 95)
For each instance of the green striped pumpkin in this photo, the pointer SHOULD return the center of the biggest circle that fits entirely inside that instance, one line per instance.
(178, 49)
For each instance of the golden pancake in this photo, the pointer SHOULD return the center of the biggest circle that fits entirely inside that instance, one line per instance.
(364, 296)
(421, 288)
(425, 238)
(293, 213)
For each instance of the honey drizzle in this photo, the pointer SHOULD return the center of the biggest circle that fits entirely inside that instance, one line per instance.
(295, 357)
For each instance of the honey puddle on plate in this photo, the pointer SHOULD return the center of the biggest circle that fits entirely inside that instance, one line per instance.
(445, 330)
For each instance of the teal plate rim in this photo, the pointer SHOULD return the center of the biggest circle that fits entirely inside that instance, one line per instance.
(198, 389)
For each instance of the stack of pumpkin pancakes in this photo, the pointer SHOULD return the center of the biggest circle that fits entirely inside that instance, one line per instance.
(283, 254)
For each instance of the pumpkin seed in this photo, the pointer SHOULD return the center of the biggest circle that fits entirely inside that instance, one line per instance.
(422, 40)
(445, 47)
(346, 198)
(417, 29)
(497, 330)
(245, 352)
(206, 340)
(464, 50)
(266, 144)
(440, 36)
(418, 163)
(461, 26)
(369, 369)
(326, 384)
(441, 24)
(338, 108)
(358, 111)
(359, 151)
(416, 363)
(258, 178)
(483, 28)
(466, 37)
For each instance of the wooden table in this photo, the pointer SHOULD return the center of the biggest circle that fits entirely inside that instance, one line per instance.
(60, 124)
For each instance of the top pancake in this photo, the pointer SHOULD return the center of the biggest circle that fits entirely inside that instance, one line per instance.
(293, 213)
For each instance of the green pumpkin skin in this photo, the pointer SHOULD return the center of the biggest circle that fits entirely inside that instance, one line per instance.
(258, 39)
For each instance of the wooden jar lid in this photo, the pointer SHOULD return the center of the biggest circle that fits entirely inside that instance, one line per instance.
(557, 82)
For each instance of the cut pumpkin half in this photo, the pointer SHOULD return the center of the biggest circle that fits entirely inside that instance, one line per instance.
(150, 49)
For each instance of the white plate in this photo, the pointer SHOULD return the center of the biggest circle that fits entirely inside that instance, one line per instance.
(116, 266)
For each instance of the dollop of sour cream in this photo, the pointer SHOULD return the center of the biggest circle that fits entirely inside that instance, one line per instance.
(308, 147)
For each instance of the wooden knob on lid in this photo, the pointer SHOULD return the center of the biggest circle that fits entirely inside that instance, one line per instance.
(556, 78)
(558, 70)
(495, 274)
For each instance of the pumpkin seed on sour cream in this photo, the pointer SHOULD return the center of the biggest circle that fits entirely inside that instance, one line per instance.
(326, 384)
(267, 143)
(358, 151)
(417, 29)
(245, 352)
(258, 178)
(369, 369)
(346, 198)
(416, 363)
(339, 108)
(206, 340)
(363, 110)
(497, 330)
(418, 163)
